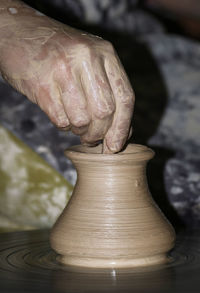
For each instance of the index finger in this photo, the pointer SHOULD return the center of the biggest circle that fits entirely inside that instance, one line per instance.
(117, 134)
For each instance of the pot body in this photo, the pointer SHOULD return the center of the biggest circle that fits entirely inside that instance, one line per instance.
(111, 220)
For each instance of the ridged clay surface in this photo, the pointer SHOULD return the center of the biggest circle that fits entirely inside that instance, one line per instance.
(111, 220)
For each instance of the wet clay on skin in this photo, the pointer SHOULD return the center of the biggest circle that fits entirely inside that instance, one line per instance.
(111, 220)
(76, 78)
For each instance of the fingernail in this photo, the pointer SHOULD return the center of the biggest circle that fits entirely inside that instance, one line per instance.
(115, 147)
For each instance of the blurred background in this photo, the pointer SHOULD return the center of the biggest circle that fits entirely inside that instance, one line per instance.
(158, 44)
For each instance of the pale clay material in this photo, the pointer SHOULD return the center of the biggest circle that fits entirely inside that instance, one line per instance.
(111, 220)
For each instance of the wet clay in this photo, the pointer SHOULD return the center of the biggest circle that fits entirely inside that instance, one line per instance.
(111, 220)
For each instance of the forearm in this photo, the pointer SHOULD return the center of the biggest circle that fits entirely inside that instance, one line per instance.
(13, 17)
(11, 12)
(5, 4)
(20, 22)
(21, 28)
(17, 8)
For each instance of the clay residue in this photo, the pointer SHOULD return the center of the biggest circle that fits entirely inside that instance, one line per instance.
(13, 10)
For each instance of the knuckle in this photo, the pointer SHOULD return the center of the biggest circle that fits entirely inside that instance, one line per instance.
(60, 123)
(104, 111)
(59, 118)
(108, 45)
(103, 114)
(80, 122)
(85, 50)
(53, 110)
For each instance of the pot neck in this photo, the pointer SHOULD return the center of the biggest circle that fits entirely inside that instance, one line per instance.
(134, 154)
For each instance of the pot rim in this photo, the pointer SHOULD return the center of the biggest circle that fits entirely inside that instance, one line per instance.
(133, 152)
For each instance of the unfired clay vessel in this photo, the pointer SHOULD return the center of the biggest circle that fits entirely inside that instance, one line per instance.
(111, 220)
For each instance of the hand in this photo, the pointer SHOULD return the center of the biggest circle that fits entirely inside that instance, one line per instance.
(76, 78)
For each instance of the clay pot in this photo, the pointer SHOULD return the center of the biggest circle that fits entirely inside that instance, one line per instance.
(111, 220)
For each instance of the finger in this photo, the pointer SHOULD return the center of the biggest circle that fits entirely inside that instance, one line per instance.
(48, 98)
(74, 102)
(106, 149)
(124, 98)
(76, 109)
(100, 101)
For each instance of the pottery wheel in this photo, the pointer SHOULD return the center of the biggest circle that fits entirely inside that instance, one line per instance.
(27, 264)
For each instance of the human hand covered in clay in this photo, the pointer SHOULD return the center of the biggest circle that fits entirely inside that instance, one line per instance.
(76, 78)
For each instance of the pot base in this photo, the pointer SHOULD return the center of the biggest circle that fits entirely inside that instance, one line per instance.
(104, 263)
